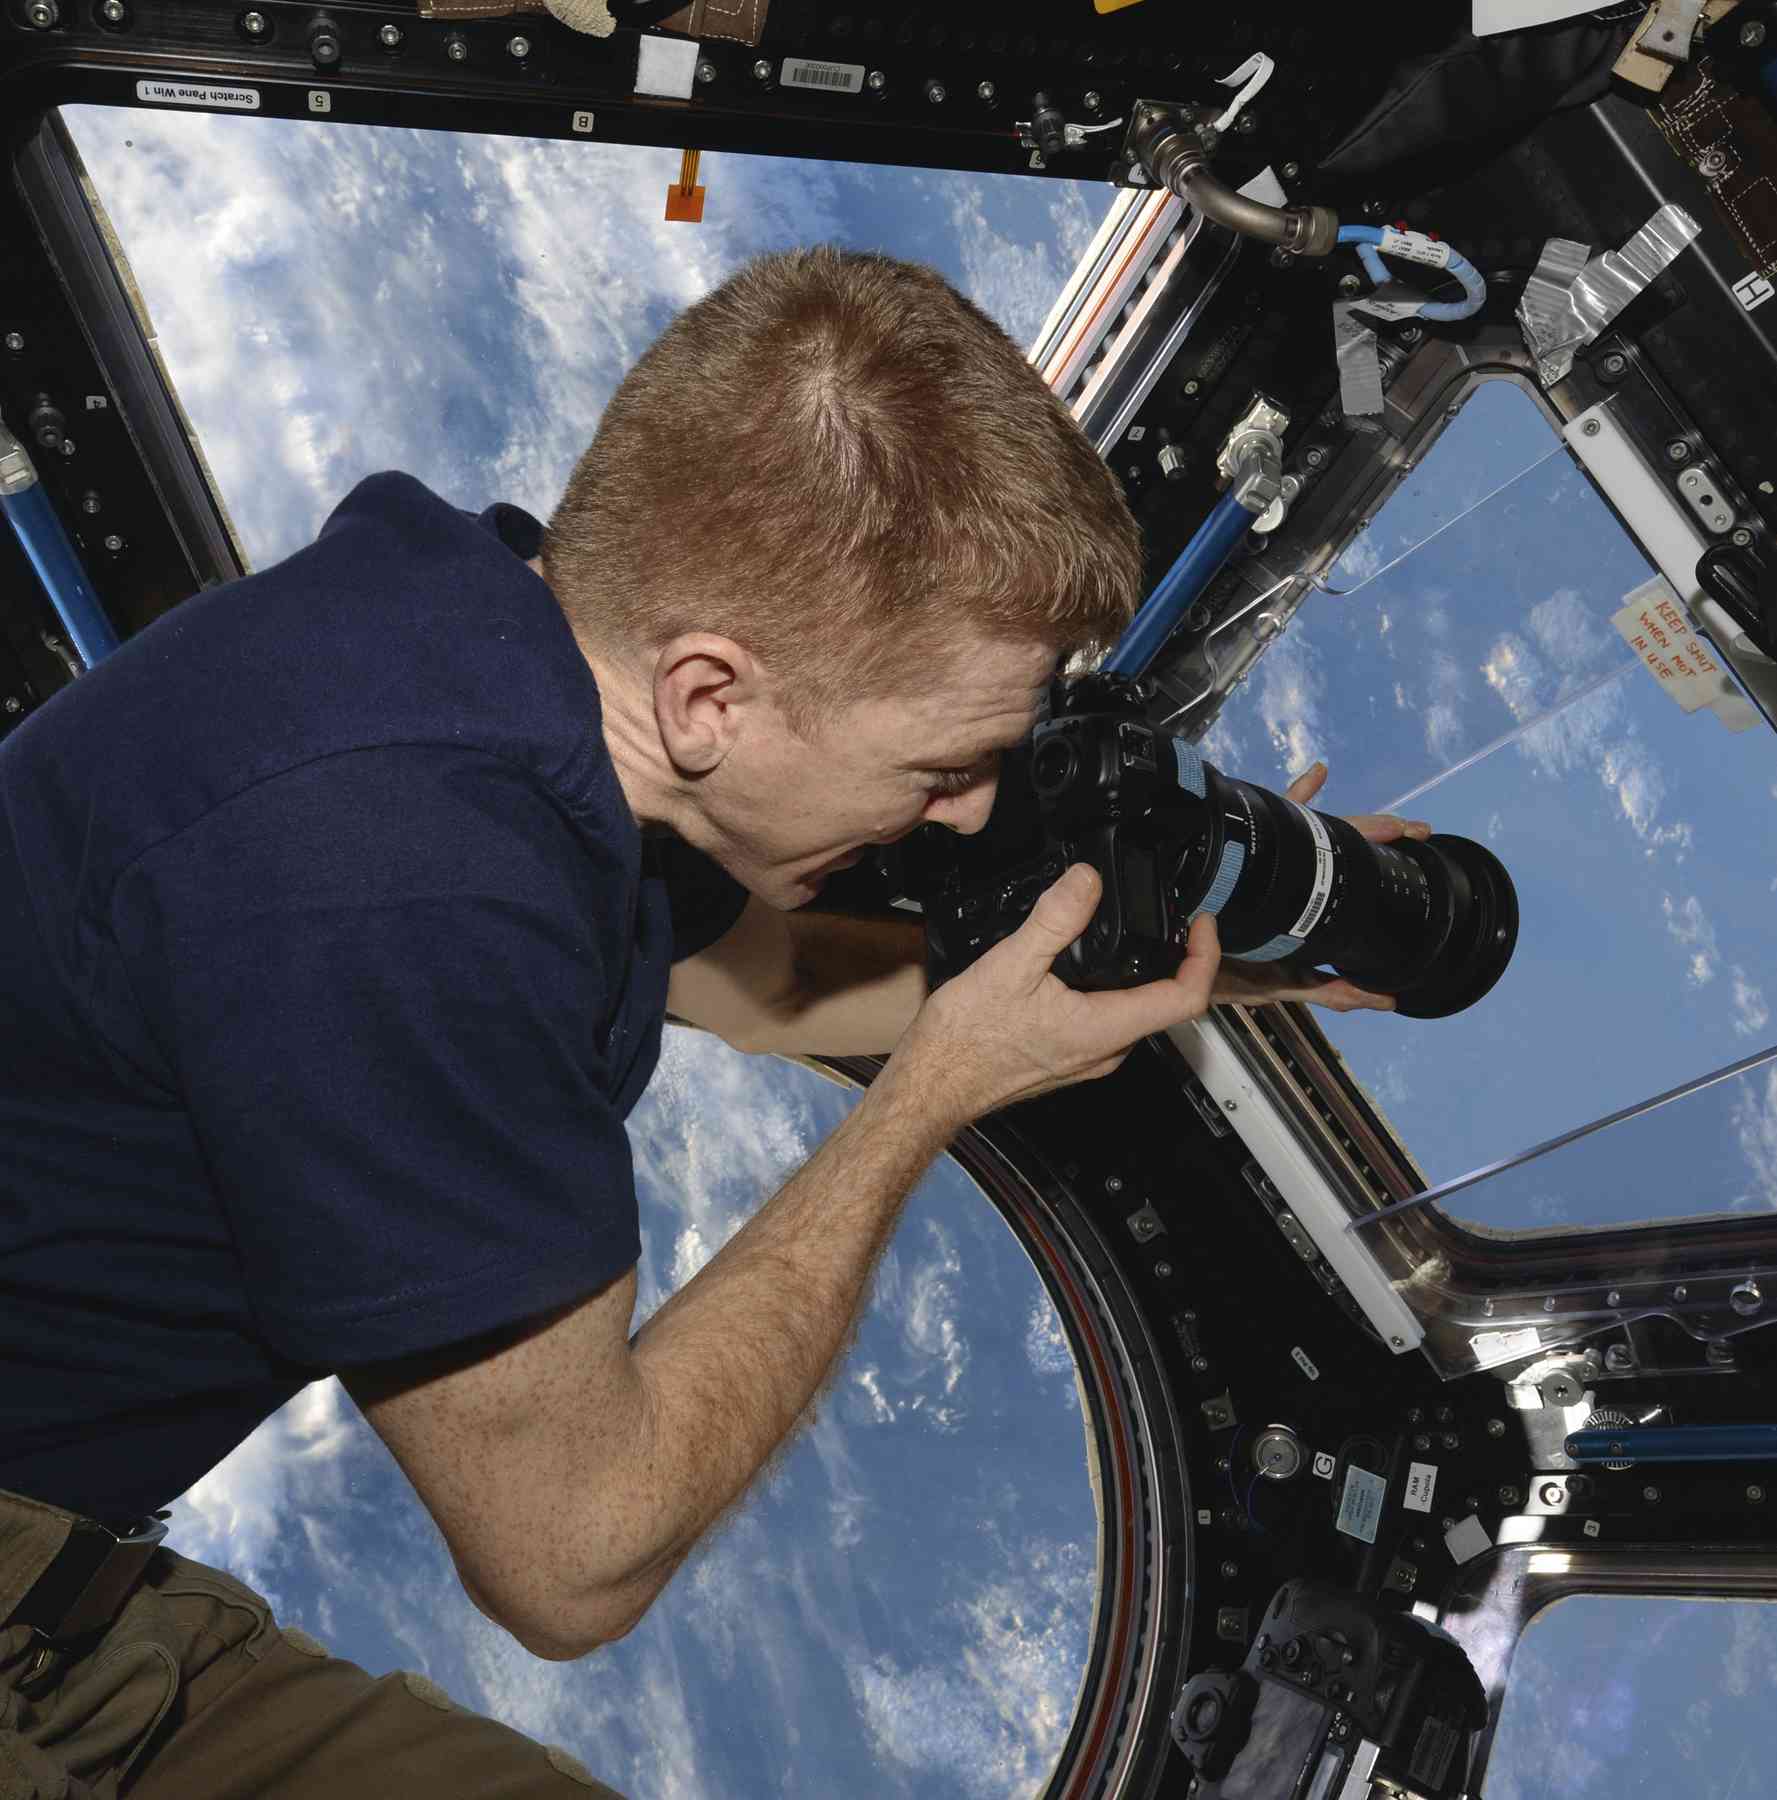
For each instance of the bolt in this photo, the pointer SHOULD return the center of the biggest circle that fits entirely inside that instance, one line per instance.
(1091, 101)
(935, 92)
(1746, 1298)
(1678, 1293)
(1230, 1570)
(986, 92)
(1678, 451)
(90, 503)
(1422, 1442)
(390, 37)
(457, 49)
(114, 543)
(1614, 364)
(255, 24)
(1314, 456)
(1163, 1270)
(1551, 1493)
(1412, 335)
(1190, 1318)
(15, 341)
(1351, 284)
(11, 705)
(876, 81)
(1496, 1427)
(1448, 1523)
(1613, 1298)
(67, 446)
(518, 48)
(1755, 1494)
(1508, 1496)
(1113, 1184)
(114, 12)
(1549, 1304)
(1191, 387)
(1752, 33)
(1290, 171)
(1445, 1414)
(324, 46)
(1199, 1363)
(706, 70)
(1374, 209)
(1247, 124)
(762, 70)
(1619, 1359)
(1591, 428)
(1400, 1343)
(1450, 1440)
(1415, 1415)
(42, 14)
(1651, 1495)
(1711, 163)
(1742, 536)
(1232, 1105)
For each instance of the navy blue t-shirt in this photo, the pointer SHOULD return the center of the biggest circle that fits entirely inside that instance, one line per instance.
(331, 960)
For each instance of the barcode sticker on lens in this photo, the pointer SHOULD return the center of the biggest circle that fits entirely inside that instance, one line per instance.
(1322, 891)
(838, 78)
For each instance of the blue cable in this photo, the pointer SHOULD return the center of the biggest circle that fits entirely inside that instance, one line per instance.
(1368, 239)
(1196, 568)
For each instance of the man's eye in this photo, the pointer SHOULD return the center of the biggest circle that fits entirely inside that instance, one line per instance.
(955, 781)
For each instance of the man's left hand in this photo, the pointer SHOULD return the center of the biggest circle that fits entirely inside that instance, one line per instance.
(1257, 983)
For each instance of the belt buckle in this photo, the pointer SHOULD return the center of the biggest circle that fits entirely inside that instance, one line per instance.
(89, 1580)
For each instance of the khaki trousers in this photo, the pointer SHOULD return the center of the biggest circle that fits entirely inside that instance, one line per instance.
(193, 1692)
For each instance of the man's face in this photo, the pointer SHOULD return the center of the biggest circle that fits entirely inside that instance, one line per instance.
(789, 812)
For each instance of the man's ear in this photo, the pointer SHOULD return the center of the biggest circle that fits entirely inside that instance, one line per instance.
(705, 690)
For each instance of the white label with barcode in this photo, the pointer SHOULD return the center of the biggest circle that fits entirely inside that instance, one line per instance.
(1322, 890)
(835, 78)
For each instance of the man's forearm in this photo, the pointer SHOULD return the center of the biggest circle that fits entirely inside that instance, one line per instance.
(858, 984)
(731, 1362)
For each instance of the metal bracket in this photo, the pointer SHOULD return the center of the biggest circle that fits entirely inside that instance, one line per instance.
(1251, 457)
(1669, 34)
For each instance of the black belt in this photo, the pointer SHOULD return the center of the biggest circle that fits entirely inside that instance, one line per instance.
(91, 1577)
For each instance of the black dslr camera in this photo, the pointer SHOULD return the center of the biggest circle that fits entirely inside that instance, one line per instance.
(1432, 923)
(1333, 1687)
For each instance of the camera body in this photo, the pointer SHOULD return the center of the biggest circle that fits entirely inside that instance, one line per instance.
(1333, 1686)
(1107, 791)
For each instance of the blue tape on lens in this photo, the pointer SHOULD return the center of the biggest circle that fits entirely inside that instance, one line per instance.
(1190, 768)
(1233, 861)
(1280, 946)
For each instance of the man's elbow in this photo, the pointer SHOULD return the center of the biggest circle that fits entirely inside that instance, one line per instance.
(603, 1623)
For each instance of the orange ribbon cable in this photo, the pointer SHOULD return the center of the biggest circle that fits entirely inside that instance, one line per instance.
(684, 199)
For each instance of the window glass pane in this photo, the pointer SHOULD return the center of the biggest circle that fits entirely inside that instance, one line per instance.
(1478, 683)
(332, 300)
(902, 1607)
(1612, 1697)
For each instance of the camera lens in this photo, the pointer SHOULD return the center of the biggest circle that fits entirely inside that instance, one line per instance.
(1432, 922)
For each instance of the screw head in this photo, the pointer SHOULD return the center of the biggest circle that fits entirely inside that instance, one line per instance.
(67, 446)
(90, 503)
(1755, 1494)
(1678, 451)
(324, 48)
(986, 91)
(1412, 334)
(457, 49)
(1113, 1184)
(1314, 457)
(876, 80)
(1163, 1270)
(1350, 284)
(114, 12)
(1551, 1493)
(1746, 1298)
(1752, 33)
(762, 70)
(1496, 1427)
(1230, 1570)
(1651, 1495)
(255, 24)
(114, 543)
(1091, 101)
(11, 704)
(1415, 1415)
(1614, 364)
(706, 70)
(518, 48)
(1678, 1293)
(1374, 209)
(1422, 1442)
(15, 341)
(935, 92)
(1613, 1298)
(1247, 124)
(1199, 1363)
(1191, 387)
(1742, 536)
(1591, 428)
(1508, 1496)
(1290, 171)
(42, 14)
(390, 37)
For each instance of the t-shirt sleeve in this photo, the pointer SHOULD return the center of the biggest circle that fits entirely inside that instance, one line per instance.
(705, 900)
(378, 983)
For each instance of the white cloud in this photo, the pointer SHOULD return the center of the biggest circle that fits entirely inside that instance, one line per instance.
(1400, 697)
(1290, 687)
(1751, 1014)
(1755, 1129)
(1045, 1341)
(1689, 927)
(929, 1320)
(1014, 278)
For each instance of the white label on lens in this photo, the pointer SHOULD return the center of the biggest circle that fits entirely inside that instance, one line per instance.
(1322, 891)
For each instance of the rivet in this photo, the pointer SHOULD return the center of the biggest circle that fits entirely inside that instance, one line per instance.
(389, 37)
(518, 48)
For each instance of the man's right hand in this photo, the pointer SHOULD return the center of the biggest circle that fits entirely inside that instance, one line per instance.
(1008, 1028)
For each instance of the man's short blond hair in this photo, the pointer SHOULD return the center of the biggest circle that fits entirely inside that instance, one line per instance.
(842, 464)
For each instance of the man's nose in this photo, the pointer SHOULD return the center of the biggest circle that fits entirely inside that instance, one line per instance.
(967, 812)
